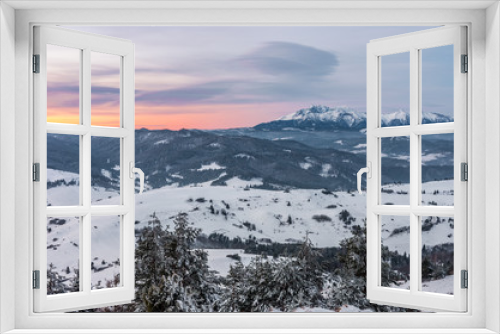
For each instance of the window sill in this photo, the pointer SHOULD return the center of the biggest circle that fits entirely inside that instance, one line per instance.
(250, 331)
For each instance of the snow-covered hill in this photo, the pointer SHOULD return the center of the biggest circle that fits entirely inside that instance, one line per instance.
(238, 211)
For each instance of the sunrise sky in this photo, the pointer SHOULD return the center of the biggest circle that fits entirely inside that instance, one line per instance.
(225, 77)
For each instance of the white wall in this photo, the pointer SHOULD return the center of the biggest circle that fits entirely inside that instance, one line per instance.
(7, 160)
(492, 166)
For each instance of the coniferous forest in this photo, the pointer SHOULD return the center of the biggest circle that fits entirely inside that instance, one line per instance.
(172, 274)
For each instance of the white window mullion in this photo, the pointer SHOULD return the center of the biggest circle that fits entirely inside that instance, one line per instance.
(128, 183)
(414, 169)
(85, 183)
(421, 129)
(373, 183)
(406, 210)
(74, 129)
(396, 131)
(66, 211)
(83, 104)
(433, 129)
(392, 210)
(85, 254)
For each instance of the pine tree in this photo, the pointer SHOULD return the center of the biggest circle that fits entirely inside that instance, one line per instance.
(283, 283)
(235, 283)
(170, 276)
(75, 281)
(349, 280)
(55, 281)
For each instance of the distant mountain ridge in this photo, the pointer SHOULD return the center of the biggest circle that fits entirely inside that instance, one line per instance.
(323, 118)
(299, 150)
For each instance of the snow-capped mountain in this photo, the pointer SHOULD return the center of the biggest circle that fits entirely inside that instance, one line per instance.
(401, 117)
(318, 118)
(323, 118)
(345, 116)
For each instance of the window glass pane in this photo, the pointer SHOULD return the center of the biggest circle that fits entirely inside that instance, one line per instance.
(63, 255)
(395, 153)
(63, 167)
(395, 89)
(106, 247)
(437, 84)
(437, 169)
(437, 254)
(63, 84)
(395, 248)
(105, 171)
(105, 89)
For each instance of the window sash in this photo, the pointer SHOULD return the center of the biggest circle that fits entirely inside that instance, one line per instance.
(412, 43)
(86, 43)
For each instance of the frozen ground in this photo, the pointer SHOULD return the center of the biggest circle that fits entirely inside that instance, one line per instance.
(343, 309)
(218, 260)
(444, 285)
(260, 213)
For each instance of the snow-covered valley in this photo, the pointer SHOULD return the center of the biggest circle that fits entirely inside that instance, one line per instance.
(237, 210)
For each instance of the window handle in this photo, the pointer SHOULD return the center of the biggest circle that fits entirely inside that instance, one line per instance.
(133, 171)
(368, 171)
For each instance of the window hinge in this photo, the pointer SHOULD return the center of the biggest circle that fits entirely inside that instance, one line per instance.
(464, 171)
(465, 279)
(36, 172)
(465, 64)
(36, 63)
(36, 279)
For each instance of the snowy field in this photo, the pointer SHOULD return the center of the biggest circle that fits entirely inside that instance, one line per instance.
(263, 214)
(444, 285)
(218, 260)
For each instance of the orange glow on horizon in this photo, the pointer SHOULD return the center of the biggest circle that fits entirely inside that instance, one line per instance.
(203, 117)
(207, 117)
(99, 117)
(63, 115)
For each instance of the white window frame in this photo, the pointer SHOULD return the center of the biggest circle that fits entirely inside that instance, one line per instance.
(413, 43)
(483, 308)
(123, 50)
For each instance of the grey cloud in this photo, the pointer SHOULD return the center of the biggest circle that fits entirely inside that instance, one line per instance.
(100, 90)
(185, 95)
(223, 92)
(73, 103)
(291, 59)
(55, 89)
(275, 72)
(108, 96)
(68, 96)
(272, 58)
(63, 96)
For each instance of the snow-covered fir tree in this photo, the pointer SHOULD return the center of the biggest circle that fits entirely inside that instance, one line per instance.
(57, 283)
(170, 276)
(282, 283)
(348, 283)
